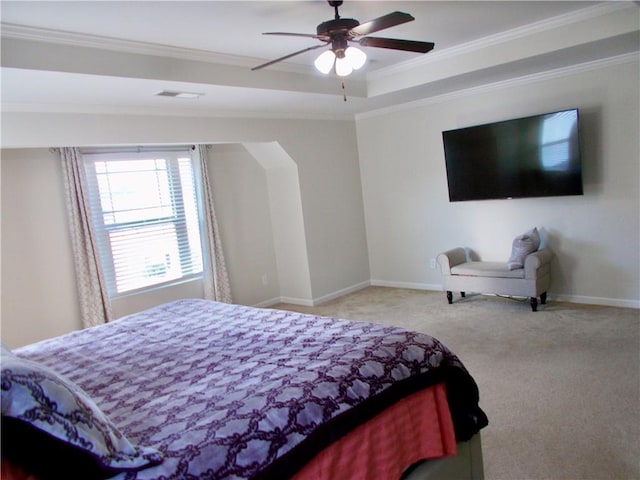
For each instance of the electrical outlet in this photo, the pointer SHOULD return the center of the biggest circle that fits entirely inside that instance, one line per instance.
(432, 263)
(265, 279)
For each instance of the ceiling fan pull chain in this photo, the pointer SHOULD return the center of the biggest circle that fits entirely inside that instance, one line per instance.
(344, 94)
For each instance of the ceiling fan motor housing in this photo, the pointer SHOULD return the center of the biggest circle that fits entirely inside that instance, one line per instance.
(337, 26)
(337, 31)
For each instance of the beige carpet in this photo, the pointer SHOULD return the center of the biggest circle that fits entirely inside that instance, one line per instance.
(561, 386)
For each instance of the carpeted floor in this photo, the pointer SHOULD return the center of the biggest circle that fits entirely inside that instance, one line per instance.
(561, 386)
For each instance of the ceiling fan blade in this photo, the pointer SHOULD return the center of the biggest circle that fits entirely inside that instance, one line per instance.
(288, 34)
(397, 44)
(289, 56)
(380, 23)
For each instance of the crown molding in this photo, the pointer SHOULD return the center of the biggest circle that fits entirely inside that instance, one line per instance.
(541, 26)
(512, 82)
(46, 35)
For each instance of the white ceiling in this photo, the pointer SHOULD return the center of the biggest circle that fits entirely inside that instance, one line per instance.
(114, 56)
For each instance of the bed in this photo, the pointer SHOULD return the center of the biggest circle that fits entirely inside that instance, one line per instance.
(195, 389)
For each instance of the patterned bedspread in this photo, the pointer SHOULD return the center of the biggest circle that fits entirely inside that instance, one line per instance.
(226, 391)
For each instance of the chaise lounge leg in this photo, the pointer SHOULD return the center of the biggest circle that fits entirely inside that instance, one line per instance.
(543, 298)
(534, 304)
(462, 294)
(449, 297)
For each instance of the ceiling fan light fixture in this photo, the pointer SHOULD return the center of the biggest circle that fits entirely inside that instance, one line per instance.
(343, 67)
(340, 31)
(356, 57)
(324, 62)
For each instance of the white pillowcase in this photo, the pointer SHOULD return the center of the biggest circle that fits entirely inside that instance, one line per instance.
(523, 245)
(39, 398)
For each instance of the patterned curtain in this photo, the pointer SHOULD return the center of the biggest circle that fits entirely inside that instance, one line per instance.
(95, 307)
(216, 279)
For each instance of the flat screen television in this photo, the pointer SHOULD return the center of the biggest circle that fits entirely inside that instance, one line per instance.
(537, 156)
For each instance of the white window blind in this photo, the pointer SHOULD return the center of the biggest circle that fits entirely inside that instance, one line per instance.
(144, 207)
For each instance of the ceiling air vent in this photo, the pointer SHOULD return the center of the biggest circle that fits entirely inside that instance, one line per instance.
(170, 93)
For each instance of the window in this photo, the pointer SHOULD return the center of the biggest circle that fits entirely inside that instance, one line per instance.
(145, 211)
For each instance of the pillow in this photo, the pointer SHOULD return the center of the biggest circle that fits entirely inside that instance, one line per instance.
(523, 245)
(44, 414)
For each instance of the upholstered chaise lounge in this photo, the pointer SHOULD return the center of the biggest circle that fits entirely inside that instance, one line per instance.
(526, 276)
(463, 276)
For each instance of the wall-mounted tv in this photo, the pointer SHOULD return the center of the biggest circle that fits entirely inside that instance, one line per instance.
(537, 156)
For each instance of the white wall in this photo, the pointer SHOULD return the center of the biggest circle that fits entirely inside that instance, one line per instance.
(292, 257)
(409, 218)
(38, 283)
(326, 158)
(287, 218)
(239, 190)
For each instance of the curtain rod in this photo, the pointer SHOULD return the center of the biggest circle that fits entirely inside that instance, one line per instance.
(137, 149)
(131, 148)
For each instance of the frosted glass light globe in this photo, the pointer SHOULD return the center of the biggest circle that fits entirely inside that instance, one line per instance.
(324, 62)
(343, 67)
(356, 57)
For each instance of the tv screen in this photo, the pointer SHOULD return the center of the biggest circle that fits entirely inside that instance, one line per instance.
(537, 156)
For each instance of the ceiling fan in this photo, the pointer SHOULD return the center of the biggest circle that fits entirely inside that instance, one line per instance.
(339, 32)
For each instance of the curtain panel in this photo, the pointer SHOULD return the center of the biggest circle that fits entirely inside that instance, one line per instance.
(95, 306)
(216, 278)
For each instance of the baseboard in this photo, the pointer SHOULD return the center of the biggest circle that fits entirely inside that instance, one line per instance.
(305, 302)
(604, 301)
(410, 285)
(607, 302)
(268, 303)
(340, 293)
